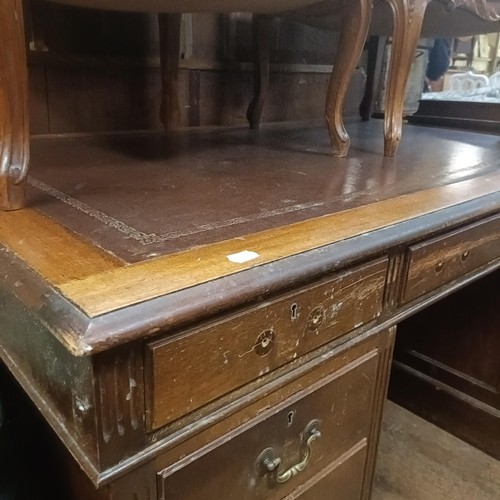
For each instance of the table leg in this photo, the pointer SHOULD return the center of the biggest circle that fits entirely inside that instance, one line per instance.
(356, 16)
(170, 34)
(408, 16)
(14, 116)
(262, 29)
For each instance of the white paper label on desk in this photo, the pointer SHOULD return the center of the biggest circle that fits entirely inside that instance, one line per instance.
(241, 257)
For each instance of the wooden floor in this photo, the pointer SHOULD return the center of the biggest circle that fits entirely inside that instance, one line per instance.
(418, 461)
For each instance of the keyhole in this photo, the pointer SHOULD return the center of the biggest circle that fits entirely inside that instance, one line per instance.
(293, 311)
(291, 415)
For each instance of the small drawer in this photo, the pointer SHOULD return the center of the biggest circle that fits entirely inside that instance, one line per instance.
(188, 371)
(314, 443)
(445, 258)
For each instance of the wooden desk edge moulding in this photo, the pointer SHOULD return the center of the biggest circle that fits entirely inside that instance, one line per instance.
(87, 282)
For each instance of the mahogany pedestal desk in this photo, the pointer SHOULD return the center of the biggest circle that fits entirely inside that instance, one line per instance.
(213, 315)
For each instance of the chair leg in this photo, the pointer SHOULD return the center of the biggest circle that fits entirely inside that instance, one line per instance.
(356, 16)
(408, 17)
(170, 34)
(14, 116)
(262, 29)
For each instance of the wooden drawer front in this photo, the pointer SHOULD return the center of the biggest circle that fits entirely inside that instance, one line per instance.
(340, 481)
(445, 258)
(186, 372)
(339, 406)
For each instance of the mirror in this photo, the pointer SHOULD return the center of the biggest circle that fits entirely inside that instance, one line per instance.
(473, 74)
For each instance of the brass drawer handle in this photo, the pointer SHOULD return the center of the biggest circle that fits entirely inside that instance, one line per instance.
(270, 463)
(465, 256)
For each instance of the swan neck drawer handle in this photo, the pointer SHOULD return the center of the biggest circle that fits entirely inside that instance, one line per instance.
(270, 463)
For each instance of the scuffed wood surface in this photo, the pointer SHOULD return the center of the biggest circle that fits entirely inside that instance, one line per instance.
(56, 253)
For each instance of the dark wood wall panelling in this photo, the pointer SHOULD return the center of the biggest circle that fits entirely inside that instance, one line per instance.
(99, 71)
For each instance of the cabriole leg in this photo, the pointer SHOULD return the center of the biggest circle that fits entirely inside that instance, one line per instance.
(408, 16)
(14, 117)
(356, 16)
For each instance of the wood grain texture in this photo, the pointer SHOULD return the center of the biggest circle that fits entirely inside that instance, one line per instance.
(338, 401)
(445, 358)
(14, 117)
(272, 397)
(381, 387)
(418, 461)
(356, 16)
(407, 26)
(116, 288)
(339, 477)
(442, 259)
(119, 396)
(50, 249)
(267, 337)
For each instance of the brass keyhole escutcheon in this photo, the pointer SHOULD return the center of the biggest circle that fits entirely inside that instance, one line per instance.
(264, 342)
(316, 318)
(465, 255)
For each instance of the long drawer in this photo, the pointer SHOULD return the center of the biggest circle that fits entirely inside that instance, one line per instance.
(190, 370)
(445, 258)
(312, 444)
